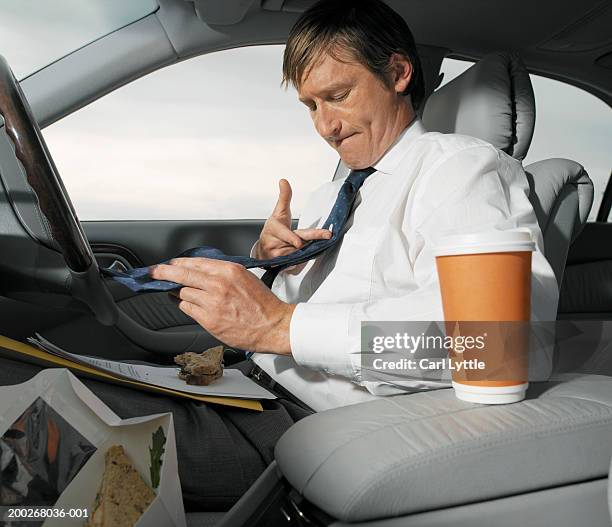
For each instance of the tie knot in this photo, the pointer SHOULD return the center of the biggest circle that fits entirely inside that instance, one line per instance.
(357, 177)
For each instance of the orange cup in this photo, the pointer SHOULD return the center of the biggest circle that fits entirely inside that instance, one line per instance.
(485, 282)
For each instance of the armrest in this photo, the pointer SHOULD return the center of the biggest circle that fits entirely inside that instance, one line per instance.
(410, 453)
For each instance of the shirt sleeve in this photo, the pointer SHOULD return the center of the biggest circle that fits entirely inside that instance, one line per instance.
(257, 271)
(476, 189)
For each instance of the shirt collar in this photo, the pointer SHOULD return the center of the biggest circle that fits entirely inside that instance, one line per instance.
(394, 154)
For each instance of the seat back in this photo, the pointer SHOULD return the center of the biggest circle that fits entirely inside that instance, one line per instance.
(561, 193)
(493, 100)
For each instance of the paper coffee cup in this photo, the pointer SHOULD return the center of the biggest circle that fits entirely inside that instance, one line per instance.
(485, 282)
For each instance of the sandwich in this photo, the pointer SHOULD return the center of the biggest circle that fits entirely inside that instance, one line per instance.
(123, 494)
(201, 368)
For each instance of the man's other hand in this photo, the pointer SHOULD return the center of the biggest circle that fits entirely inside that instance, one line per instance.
(230, 303)
(277, 238)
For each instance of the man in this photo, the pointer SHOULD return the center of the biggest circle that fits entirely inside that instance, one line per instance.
(355, 67)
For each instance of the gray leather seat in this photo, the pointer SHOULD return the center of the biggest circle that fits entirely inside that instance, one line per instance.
(410, 455)
(562, 196)
(493, 100)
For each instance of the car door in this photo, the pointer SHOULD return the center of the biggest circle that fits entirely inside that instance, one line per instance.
(586, 292)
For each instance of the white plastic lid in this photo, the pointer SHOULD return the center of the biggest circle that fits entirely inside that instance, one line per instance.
(485, 242)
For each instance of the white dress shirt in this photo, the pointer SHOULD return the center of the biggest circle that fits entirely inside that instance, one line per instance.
(425, 186)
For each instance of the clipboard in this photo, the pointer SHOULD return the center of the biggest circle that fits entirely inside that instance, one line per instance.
(13, 349)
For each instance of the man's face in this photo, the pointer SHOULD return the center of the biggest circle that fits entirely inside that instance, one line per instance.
(353, 109)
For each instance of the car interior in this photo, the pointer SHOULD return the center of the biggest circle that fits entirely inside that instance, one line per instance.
(543, 461)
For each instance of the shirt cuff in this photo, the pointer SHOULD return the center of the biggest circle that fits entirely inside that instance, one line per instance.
(257, 271)
(319, 336)
(252, 253)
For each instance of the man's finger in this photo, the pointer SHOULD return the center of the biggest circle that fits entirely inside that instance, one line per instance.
(207, 266)
(181, 274)
(313, 234)
(193, 296)
(194, 311)
(275, 253)
(211, 272)
(285, 234)
(283, 205)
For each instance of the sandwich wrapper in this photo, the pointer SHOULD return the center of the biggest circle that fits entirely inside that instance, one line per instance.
(54, 433)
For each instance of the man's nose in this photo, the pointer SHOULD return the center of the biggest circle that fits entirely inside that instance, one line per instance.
(327, 123)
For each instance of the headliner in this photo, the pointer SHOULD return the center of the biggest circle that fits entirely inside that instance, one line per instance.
(568, 40)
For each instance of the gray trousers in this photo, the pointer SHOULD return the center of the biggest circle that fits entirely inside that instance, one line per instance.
(221, 450)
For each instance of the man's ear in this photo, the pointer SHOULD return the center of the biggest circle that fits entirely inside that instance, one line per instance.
(401, 72)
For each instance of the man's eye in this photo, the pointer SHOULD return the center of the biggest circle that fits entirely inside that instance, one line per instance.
(340, 96)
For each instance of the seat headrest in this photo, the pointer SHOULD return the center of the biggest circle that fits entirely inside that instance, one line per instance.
(493, 101)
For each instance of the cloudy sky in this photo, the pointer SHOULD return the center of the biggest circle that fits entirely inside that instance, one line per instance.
(210, 137)
(206, 138)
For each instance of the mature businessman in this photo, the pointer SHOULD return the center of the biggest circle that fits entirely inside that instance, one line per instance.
(356, 70)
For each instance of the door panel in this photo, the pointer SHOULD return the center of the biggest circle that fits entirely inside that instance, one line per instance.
(139, 243)
(149, 242)
(136, 243)
(586, 291)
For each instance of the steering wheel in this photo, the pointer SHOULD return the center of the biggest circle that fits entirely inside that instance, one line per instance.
(53, 201)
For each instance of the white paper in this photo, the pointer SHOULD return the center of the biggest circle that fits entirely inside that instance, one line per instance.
(63, 392)
(233, 383)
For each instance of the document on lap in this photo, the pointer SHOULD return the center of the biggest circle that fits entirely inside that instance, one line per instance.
(233, 383)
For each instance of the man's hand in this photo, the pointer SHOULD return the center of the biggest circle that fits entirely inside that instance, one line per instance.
(277, 238)
(231, 303)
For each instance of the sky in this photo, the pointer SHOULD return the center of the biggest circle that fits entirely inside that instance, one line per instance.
(210, 137)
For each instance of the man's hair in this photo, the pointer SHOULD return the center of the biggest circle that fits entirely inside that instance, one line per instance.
(368, 29)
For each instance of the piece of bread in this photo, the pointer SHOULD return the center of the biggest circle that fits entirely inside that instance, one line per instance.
(201, 368)
(123, 494)
(200, 380)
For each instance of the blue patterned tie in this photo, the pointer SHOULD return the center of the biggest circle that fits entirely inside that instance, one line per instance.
(139, 280)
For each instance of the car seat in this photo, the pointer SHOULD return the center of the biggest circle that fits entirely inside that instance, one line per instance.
(493, 100)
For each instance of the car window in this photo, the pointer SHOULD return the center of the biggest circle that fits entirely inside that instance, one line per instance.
(34, 33)
(570, 123)
(573, 124)
(207, 138)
